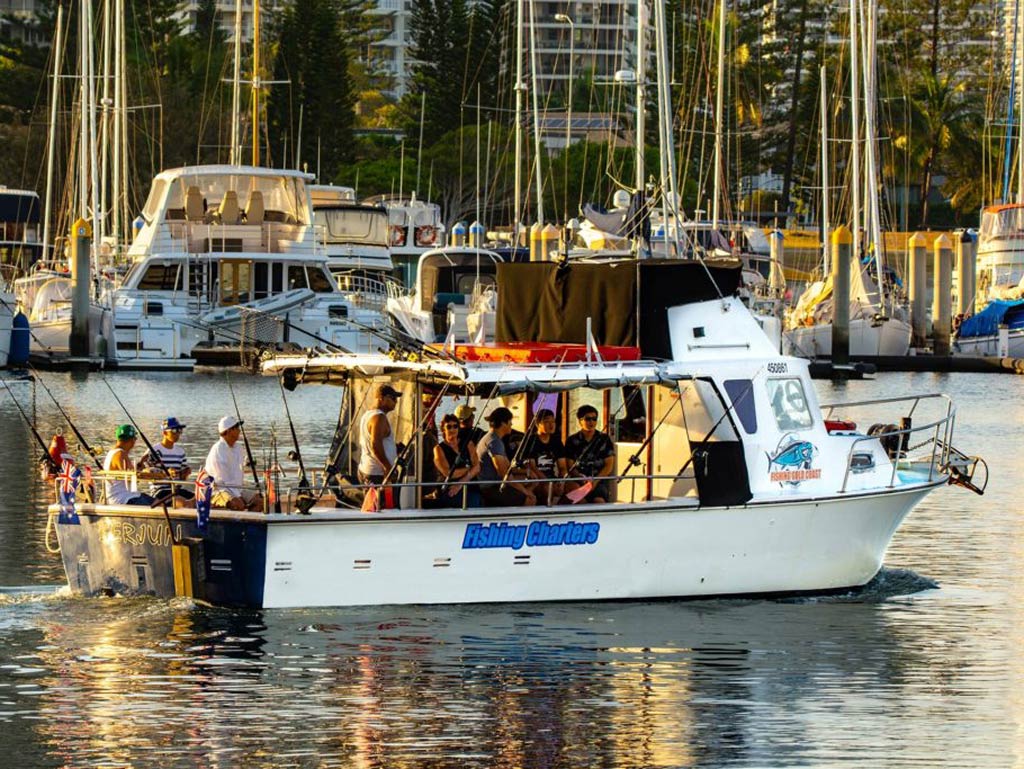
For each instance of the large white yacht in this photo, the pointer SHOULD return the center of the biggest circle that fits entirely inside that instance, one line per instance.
(226, 256)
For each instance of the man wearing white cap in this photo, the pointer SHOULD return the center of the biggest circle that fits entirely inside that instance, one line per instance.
(226, 464)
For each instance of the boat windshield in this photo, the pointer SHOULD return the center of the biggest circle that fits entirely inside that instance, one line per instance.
(1002, 223)
(284, 198)
(353, 225)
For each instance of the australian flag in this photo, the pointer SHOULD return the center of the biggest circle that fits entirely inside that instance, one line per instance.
(204, 494)
(67, 486)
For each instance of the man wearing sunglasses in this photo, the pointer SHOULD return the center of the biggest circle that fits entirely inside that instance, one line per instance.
(590, 454)
(172, 457)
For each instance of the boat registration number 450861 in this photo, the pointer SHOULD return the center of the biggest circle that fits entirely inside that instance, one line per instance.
(778, 367)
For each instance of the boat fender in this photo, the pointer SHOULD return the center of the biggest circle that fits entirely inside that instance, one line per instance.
(891, 443)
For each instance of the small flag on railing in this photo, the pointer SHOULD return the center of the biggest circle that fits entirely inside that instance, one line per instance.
(577, 495)
(204, 496)
(67, 487)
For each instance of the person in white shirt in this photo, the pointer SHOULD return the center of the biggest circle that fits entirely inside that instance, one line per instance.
(226, 464)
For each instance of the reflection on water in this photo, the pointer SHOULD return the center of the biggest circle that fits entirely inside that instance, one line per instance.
(919, 669)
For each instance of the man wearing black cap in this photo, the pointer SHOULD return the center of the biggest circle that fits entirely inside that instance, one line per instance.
(377, 449)
(494, 464)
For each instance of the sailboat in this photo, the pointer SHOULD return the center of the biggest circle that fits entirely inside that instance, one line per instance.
(879, 322)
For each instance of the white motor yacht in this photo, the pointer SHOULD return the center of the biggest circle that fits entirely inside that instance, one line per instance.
(227, 257)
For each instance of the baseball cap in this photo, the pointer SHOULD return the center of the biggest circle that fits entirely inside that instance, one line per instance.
(385, 390)
(172, 423)
(226, 423)
(124, 432)
(499, 416)
(464, 411)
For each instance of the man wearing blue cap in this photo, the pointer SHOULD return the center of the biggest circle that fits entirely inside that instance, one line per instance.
(170, 462)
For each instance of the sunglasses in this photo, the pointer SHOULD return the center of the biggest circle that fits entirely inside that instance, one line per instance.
(589, 419)
(450, 425)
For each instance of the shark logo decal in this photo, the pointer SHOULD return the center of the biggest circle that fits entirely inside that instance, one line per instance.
(791, 462)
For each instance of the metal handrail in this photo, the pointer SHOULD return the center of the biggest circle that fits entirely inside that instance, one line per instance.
(941, 445)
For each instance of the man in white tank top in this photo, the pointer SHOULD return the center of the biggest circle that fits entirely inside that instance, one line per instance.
(117, 461)
(377, 450)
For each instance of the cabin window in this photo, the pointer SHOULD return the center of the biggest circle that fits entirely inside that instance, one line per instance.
(628, 407)
(235, 282)
(319, 281)
(741, 393)
(276, 278)
(789, 404)
(156, 194)
(260, 280)
(296, 277)
(466, 283)
(161, 277)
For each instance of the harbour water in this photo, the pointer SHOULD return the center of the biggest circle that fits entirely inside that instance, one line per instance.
(921, 668)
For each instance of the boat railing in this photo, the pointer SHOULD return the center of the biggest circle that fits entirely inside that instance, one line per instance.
(935, 437)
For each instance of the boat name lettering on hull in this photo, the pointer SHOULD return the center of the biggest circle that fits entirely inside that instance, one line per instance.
(537, 534)
(128, 533)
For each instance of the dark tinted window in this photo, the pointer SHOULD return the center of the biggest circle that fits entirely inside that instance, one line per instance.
(741, 393)
(161, 277)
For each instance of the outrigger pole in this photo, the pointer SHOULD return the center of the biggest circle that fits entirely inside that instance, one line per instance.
(46, 449)
(67, 418)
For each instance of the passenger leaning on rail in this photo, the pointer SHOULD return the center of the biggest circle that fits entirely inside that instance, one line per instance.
(118, 461)
(591, 458)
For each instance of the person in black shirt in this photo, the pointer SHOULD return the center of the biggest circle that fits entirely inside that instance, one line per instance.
(545, 457)
(468, 431)
(590, 455)
(456, 462)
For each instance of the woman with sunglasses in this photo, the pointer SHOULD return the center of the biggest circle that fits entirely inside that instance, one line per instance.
(456, 462)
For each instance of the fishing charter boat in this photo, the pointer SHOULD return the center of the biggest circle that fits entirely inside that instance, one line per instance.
(728, 477)
(226, 257)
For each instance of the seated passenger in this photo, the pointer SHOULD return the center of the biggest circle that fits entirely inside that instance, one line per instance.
(456, 462)
(591, 458)
(168, 464)
(226, 464)
(545, 458)
(118, 461)
(494, 464)
(468, 430)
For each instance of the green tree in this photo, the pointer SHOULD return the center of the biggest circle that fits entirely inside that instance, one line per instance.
(312, 56)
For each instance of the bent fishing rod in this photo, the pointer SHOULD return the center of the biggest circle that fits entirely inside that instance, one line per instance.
(403, 458)
(245, 438)
(67, 418)
(43, 444)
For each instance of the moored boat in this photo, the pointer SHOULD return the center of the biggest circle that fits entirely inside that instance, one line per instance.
(728, 478)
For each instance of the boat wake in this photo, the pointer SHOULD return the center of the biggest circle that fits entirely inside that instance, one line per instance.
(887, 584)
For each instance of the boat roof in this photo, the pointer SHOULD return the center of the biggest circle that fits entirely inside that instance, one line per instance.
(231, 170)
(1000, 207)
(488, 377)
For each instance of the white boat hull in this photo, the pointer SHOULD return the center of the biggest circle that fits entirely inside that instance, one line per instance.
(990, 346)
(867, 338)
(660, 550)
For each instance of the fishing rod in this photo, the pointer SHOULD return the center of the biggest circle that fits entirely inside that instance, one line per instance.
(245, 438)
(403, 458)
(611, 419)
(304, 499)
(46, 448)
(67, 418)
(162, 499)
(634, 459)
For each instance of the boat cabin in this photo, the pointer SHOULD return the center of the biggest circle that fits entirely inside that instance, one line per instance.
(226, 209)
(20, 238)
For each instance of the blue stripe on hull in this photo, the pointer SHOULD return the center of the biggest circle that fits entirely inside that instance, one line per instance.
(117, 552)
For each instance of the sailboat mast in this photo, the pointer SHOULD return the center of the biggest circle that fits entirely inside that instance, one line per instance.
(641, 98)
(119, 167)
(83, 116)
(256, 82)
(536, 115)
(855, 127)
(824, 178)
(518, 204)
(871, 137)
(236, 88)
(105, 119)
(51, 144)
(1020, 111)
(93, 165)
(719, 113)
